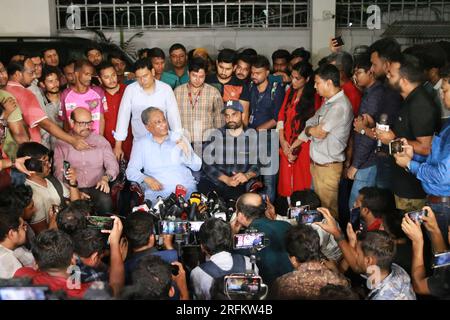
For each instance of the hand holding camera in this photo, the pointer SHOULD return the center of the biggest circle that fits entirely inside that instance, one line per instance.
(411, 227)
(330, 224)
(405, 155)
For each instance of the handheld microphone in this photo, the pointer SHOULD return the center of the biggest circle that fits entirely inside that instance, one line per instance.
(180, 191)
(383, 126)
(194, 201)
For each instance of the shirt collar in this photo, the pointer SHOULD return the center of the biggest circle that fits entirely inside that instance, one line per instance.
(438, 85)
(14, 84)
(337, 96)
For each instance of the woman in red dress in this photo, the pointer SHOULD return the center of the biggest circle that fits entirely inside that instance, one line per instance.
(299, 105)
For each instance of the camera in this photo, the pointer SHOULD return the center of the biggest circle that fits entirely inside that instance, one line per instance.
(395, 146)
(248, 240)
(100, 223)
(309, 217)
(417, 215)
(294, 212)
(24, 293)
(34, 165)
(441, 260)
(247, 284)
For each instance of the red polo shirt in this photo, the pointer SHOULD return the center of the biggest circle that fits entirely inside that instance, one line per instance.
(375, 225)
(113, 102)
(354, 95)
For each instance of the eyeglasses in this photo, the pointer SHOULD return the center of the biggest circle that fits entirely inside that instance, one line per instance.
(84, 123)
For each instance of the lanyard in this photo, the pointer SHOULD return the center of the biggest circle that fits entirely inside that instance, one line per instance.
(197, 98)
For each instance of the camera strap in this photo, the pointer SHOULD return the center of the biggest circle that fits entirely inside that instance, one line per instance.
(58, 186)
(215, 272)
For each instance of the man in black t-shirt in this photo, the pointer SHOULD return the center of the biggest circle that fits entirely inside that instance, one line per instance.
(417, 121)
(230, 87)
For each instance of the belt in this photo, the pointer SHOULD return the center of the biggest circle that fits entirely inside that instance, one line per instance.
(436, 199)
(324, 164)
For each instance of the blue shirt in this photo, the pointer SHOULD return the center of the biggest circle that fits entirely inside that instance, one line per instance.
(434, 171)
(165, 162)
(266, 105)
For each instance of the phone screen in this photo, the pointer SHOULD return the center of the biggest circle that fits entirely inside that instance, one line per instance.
(173, 227)
(23, 293)
(310, 217)
(441, 260)
(101, 223)
(248, 240)
(355, 218)
(296, 211)
(243, 284)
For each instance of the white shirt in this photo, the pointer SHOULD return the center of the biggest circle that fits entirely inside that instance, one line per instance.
(8, 263)
(135, 100)
(202, 282)
(438, 88)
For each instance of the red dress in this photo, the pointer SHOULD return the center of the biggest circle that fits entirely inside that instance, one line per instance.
(293, 176)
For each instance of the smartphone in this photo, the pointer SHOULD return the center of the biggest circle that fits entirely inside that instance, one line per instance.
(339, 40)
(355, 219)
(33, 165)
(55, 209)
(195, 225)
(173, 227)
(294, 212)
(23, 293)
(395, 146)
(417, 215)
(66, 166)
(100, 223)
(242, 284)
(248, 240)
(310, 217)
(441, 260)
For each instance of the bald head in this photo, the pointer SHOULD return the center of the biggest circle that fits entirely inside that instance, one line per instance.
(81, 122)
(81, 115)
(251, 205)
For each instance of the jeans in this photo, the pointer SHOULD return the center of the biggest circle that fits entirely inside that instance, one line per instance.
(270, 186)
(384, 172)
(364, 178)
(442, 213)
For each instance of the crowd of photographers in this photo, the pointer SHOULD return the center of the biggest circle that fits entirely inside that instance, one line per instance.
(150, 184)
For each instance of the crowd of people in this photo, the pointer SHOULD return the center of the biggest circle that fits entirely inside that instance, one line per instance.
(364, 135)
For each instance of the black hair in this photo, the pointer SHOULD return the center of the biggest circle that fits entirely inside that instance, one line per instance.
(246, 58)
(362, 61)
(32, 149)
(303, 243)
(387, 48)
(177, 46)
(301, 53)
(378, 201)
(306, 197)
(117, 55)
(68, 63)
(15, 66)
(85, 206)
(444, 73)
(433, 56)
(70, 220)
(79, 64)
(249, 52)
(329, 72)
(380, 245)
(48, 70)
(392, 223)
(248, 210)
(344, 61)
(305, 107)
(196, 64)
(152, 280)
(52, 249)
(142, 64)
(156, 53)
(337, 292)
(138, 229)
(9, 220)
(226, 56)
(88, 241)
(19, 197)
(93, 48)
(411, 68)
(215, 236)
(281, 54)
(261, 62)
(143, 51)
(104, 65)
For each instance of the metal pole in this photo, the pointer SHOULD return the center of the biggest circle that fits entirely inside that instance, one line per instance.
(86, 13)
(295, 14)
(142, 15)
(114, 14)
(198, 14)
(212, 14)
(156, 13)
(184, 13)
(267, 15)
(128, 14)
(226, 13)
(100, 11)
(239, 13)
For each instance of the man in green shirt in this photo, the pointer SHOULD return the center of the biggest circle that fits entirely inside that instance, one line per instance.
(178, 58)
(158, 60)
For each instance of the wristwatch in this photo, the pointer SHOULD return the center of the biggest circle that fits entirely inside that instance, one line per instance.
(75, 185)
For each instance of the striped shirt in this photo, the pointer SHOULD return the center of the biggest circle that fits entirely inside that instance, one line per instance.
(199, 112)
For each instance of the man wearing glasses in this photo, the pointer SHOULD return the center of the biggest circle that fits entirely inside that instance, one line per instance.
(95, 167)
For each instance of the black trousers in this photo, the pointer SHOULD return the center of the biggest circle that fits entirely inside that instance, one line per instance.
(224, 191)
(102, 201)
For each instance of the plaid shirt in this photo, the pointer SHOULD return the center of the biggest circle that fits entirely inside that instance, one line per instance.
(201, 113)
(89, 274)
(223, 155)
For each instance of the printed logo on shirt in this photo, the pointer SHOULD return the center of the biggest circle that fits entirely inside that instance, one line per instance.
(71, 106)
(92, 104)
(96, 116)
(232, 92)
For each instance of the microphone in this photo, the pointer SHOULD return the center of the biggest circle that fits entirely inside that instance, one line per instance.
(180, 191)
(194, 201)
(383, 126)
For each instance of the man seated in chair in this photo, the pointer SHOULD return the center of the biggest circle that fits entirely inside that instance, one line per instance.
(96, 167)
(162, 159)
(230, 157)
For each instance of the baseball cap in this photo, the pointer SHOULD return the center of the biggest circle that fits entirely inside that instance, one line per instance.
(233, 104)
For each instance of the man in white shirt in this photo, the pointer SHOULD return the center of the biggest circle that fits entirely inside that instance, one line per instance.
(145, 92)
(12, 235)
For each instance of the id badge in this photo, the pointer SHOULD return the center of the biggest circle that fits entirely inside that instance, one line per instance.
(250, 120)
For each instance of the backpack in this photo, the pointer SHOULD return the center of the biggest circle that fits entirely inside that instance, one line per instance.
(215, 272)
